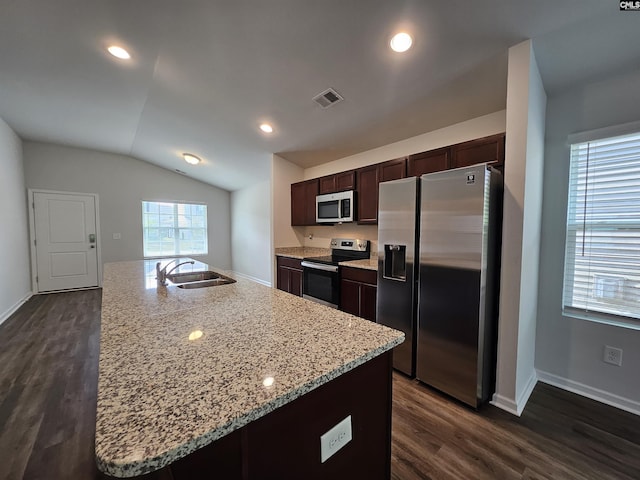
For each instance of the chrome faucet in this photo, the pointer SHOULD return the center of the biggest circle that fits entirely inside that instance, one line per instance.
(161, 274)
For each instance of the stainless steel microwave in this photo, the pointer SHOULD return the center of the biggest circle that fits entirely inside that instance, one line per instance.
(335, 207)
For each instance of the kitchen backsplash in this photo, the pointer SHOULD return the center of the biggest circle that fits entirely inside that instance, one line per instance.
(322, 234)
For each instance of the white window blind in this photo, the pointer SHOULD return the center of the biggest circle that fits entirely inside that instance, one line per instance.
(602, 258)
(172, 229)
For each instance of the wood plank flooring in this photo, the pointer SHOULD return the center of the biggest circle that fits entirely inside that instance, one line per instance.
(48, 384)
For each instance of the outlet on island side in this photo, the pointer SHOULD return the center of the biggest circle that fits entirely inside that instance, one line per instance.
(612, 355)
(335, 438)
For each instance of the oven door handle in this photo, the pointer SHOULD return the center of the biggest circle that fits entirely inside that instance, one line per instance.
(319, 266)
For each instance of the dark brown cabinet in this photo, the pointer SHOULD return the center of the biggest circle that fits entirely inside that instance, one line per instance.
(428, 162)
(393, 169)
(482, 150)
(358, 292)
(289, 275)
(303, 202)
(339, 182)
(365, 180)
(367, 194)
(368, 179)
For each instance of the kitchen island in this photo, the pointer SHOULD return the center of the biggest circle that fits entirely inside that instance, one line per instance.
(236, 381)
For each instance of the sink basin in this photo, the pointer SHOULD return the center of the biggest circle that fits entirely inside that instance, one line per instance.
(199, 279)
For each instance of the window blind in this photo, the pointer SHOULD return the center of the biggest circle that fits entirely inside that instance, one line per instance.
(602, 258)
(172, 229)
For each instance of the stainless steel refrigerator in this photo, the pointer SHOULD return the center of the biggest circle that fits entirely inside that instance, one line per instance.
(438, 267)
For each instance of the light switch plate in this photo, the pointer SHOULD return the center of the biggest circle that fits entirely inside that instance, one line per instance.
(117, 236)
(335, 439)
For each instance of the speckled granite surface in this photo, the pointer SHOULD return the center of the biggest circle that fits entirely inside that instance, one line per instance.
(302, 252)
(161, 396)
(367, 264)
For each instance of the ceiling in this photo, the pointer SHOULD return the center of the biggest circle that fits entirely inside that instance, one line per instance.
(205, 73)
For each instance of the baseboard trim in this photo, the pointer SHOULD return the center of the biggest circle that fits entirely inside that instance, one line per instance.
(516, 407)
(253, 279)
(15, 307)
(596, 394)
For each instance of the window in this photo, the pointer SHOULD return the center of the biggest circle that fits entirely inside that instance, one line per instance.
(602, 258)
(172, 229)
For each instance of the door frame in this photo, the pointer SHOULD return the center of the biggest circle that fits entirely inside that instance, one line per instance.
(32, 237)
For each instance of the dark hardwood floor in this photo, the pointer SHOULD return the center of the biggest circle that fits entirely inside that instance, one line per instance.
(48, 382)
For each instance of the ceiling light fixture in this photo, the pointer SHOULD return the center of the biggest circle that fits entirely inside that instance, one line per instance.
(119, 52)
(190, 158)
(266, 128)
(401, 42)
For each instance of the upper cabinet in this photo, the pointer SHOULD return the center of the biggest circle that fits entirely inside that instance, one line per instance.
(338, 182)
(368, 180)
(483, 150)
(393, 169)
(367, 194)
(365, 180)
(429, 162)
(303, 202)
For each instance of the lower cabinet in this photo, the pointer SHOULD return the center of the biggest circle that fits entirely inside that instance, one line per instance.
(358, 292)
(290, 275)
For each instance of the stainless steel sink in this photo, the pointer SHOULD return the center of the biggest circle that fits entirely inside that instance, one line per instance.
(199, 279)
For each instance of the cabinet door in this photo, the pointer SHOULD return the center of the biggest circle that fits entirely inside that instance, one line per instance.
(295, 282)
(345, 181)
(350, 297)
(367, 201)
(298, 204)
(488, 149)
(368, 298)
(393, 169)
(310, 193)
(284, 278)
(428, 162)
(327, 184)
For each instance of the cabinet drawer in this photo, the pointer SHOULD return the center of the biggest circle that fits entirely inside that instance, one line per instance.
(360, 275)
(290, 262)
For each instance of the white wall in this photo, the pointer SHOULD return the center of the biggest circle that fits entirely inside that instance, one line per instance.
(122, 182)
(524, 152)
(460, 132)
(15, 282)
(251, 232)
(568, 350)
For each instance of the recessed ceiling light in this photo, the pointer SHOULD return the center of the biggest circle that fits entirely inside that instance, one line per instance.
(266, 128)
(401, 42)
(190, 158)
(119, 52)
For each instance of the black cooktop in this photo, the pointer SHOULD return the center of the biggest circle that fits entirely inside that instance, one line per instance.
(332, 259)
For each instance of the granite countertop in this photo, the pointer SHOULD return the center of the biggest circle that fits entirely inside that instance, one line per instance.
(366, 264)
(302, 252)
(161, 395)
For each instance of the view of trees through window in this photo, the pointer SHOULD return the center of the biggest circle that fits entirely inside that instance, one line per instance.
(171, 229)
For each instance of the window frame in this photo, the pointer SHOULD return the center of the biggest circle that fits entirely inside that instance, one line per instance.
(176, 228)
(591, 312)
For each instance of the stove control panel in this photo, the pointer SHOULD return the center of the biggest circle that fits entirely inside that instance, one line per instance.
(357, 244)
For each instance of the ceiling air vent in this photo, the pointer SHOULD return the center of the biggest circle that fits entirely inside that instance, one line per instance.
(327, 98)
(181, 172)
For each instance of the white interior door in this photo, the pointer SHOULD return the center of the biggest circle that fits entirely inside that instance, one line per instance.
(65, 241)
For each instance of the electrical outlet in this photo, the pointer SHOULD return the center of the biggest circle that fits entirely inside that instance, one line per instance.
(335, 439)
(117, 236)
(612, 355)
